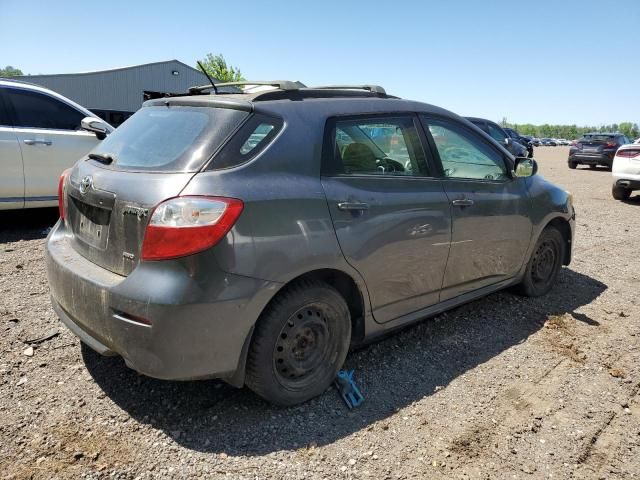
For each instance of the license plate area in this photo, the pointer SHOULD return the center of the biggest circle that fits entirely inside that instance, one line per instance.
(90, 223)
(591, 147)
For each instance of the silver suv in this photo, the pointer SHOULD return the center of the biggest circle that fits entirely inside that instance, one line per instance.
(256, 237)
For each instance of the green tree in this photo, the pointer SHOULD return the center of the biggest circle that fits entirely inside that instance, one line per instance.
(572, 132)
(629, 129)
(216, 66)
(9, 71)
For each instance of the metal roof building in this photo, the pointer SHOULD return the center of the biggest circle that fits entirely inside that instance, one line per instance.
(116, 94)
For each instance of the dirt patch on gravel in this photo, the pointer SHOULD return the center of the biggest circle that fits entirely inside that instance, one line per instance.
(504, 387)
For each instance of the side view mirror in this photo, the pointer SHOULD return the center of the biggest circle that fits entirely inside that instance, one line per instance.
(95, 125)
(525, 167)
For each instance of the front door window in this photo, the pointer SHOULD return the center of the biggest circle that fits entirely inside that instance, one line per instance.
(464, 157)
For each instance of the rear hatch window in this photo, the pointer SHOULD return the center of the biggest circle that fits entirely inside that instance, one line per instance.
(169, 138)
(597, 138)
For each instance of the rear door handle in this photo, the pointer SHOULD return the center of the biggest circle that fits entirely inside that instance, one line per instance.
(462, 202)
(351, 206)
(33, 141)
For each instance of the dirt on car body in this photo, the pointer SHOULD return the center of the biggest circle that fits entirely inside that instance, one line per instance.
(502, 387)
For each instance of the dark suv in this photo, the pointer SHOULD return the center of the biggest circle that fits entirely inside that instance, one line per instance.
(595, 149)
(521, 139)
(256, 237)
(496, 132)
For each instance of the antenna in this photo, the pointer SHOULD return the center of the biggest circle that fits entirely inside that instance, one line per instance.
(209, 77)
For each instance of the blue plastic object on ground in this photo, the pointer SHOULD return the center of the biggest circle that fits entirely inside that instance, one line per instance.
(348, 389)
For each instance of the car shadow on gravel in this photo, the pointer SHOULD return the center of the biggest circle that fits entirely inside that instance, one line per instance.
(210, 416)
(27, 224)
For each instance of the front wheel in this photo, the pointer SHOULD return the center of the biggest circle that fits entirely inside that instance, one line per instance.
(544, 265)
(299, 344)
(620, 193)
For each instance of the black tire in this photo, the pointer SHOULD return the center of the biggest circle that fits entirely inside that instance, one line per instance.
(620, 193)
(299, 344)
(573, 165)
(544, 265)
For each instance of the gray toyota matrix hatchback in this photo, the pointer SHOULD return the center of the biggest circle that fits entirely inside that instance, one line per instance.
(256, 237)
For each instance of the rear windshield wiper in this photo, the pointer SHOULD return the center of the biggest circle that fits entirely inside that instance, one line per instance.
(105, 158)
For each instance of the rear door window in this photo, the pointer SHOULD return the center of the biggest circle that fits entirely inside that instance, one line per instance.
(496, 133)
(170, 139)
(5, 118)
(38, 110)
(374, 146)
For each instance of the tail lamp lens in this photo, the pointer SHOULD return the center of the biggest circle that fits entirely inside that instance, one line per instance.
(62, 191)
(183, 226)
(628, 153)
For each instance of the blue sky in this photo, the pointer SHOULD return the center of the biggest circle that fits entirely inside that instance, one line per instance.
(531, 62)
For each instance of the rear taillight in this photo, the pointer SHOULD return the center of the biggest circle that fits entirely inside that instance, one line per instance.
(183, 226)
(628, 153)
(61, 192)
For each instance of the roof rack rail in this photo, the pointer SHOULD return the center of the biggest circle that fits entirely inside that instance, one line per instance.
(281, 84)
(372, 88)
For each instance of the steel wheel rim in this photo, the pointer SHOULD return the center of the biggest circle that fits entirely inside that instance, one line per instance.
(304, 345)
(544, 262)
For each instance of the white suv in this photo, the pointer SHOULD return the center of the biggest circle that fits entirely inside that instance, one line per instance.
(42, 134)
(626, 171)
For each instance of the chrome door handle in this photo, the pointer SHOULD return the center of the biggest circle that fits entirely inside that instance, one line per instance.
(462, 202)
(350, 206)
(31, 141)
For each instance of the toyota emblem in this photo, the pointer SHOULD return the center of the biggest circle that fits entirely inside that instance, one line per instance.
(86, 184)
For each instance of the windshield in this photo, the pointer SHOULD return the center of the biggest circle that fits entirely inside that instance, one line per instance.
(169, 139)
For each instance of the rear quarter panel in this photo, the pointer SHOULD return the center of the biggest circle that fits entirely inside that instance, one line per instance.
(285, 229)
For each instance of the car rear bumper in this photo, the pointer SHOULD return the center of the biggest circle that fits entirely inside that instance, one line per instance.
(626, 180)
(196, 330)
(592, 159)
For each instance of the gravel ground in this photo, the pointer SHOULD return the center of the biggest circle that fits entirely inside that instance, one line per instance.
(505, 387)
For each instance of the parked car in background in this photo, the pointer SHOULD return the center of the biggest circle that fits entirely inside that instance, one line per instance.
(548, 142)
(521, 139)
(41, 134)
(626, 171)
(189, 250)
(595, 149)
(496, 132)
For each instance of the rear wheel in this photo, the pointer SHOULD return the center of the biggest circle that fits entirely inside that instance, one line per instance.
(573, 165)
(620, 193)
(299, 344)
(544, 265)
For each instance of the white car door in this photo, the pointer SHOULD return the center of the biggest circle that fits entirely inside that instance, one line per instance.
(48, 132)
(12, 176)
